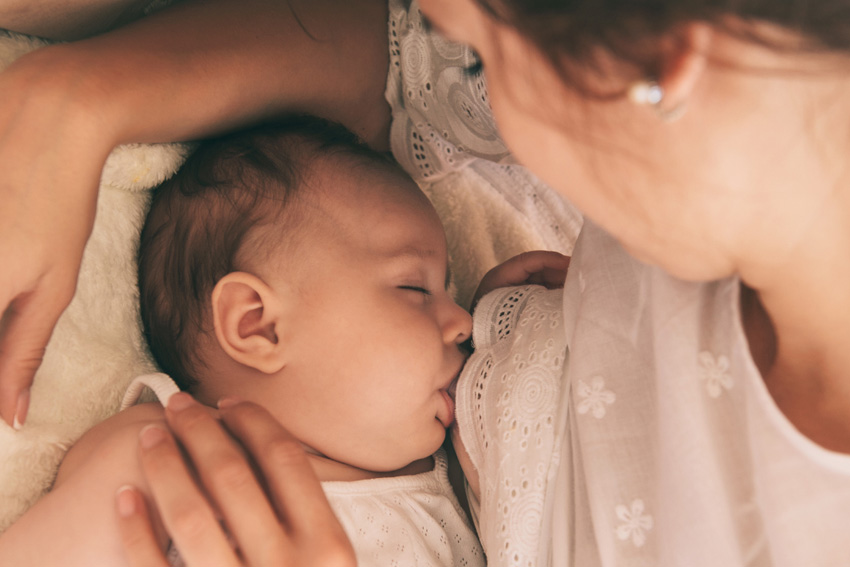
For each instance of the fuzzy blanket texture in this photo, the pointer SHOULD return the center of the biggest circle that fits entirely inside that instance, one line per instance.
(97, 347)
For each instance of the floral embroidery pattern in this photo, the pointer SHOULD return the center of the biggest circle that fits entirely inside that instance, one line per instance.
(715, 373)
(635, 523)
(595, 397)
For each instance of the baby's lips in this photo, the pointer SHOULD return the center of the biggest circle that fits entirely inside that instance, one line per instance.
(452, 389)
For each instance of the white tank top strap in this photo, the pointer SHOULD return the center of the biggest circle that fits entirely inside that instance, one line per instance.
(160, 384)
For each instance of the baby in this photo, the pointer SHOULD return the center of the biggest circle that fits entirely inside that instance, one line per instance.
(294, 267)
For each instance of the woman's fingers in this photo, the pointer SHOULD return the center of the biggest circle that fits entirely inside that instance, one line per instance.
(293, 526)
(296, 491)
(25, 329)
(315, 535)
(184, 510)
(53, 144)
(228, 479)
(135, 526)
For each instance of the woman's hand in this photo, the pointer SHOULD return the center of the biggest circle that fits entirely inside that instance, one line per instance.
(540, 267)
(52, 150)
(271, 502)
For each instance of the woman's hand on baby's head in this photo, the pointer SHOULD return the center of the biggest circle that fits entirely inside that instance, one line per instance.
(538, 267)
(51, 156)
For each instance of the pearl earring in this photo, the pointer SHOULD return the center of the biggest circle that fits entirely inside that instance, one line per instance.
(646, 92)
(650, 93)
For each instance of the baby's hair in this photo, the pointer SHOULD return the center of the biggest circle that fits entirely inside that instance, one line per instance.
(204, 221)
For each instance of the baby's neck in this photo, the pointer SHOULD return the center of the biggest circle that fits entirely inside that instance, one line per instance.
(329, 470)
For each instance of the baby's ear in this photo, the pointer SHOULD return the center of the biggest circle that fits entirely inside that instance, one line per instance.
(248, 319)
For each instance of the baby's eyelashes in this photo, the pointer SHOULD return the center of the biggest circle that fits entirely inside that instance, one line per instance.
(416, 288)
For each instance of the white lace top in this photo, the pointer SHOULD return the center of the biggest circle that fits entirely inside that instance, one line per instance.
(507, 404)
(667, 448)
(444, 136)
(677, 453)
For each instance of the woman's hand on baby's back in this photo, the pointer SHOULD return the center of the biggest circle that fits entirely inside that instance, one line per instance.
(271, 502)
(538, 267)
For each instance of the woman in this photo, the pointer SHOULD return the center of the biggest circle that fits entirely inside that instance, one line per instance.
(708, 141)
(711, 144)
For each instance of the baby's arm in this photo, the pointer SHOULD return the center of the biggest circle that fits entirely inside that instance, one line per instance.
(77, 522)
(541, 267)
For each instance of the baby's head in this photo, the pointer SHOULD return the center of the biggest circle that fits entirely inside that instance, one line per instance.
(292, 266)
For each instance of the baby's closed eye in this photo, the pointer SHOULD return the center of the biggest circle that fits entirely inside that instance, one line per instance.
(416, 288)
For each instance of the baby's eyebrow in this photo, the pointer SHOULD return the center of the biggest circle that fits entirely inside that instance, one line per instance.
(416, 252)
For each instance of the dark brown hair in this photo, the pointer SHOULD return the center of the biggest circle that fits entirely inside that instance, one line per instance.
(203, 217)
(570, 33)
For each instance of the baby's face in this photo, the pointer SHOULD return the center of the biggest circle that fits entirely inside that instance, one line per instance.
(374, 336)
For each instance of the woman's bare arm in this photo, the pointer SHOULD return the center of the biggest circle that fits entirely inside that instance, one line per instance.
(194, 69)
(68, 19)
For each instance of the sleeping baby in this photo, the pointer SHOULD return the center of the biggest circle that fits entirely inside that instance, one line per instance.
(294, 267)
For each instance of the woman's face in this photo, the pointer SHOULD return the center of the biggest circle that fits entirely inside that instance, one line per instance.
(614, 160)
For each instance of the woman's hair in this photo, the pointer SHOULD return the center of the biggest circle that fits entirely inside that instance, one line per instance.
(570, 33)
(203, 224)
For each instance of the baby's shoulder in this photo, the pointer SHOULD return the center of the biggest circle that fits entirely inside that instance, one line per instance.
(111, 443)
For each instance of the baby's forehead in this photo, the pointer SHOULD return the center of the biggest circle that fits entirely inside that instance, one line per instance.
(356, 168)
(417, 257)
(353, 180)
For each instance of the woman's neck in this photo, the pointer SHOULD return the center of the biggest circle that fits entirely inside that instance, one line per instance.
(797, 323)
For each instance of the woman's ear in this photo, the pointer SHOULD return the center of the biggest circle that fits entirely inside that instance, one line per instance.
(248, 318)
(684, 56)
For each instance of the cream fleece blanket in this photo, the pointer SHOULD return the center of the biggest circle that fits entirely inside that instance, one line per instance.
(97, 347)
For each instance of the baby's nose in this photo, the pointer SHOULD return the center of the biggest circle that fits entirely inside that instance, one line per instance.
(459, 327)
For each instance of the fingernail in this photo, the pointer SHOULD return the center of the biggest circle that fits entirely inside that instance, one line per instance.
(180, 401)
(21, 410)
(151, 436)
(225, 403)
(126, 501)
